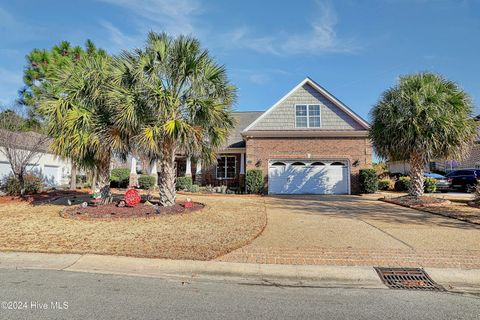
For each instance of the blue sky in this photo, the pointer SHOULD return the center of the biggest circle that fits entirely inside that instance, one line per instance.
(355, 49)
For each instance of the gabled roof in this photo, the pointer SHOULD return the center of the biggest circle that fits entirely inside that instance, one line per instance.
(364, 124)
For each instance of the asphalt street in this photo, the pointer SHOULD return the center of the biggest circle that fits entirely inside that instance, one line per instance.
(42, 294)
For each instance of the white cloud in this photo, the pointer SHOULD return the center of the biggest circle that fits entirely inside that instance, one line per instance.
(183, 17)
(117, 40)
(260, 76)
(173, 16)
(320, 38)
(241, 38)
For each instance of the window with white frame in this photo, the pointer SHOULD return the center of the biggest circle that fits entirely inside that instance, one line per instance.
(307, 116)
(226, 167)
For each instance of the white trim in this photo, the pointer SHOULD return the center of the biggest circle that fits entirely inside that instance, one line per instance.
(133, 166)
(321, 90)
(242, 163)
(198, 169)
(235, 167)
(188, 167)
(308, 133)
(308, 115)
(232, 150)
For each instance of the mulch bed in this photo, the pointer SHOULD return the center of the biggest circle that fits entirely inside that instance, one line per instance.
(455, 210)
(414, 202)
(41, 197)
(112, 212)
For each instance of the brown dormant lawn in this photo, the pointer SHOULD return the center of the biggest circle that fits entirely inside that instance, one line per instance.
(225, 224)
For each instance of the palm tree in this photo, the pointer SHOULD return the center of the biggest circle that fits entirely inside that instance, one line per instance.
(423, 117)
(79, 119)
(41, 67)
(172, 97)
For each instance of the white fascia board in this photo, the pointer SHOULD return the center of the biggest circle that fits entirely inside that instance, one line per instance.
(305, 133)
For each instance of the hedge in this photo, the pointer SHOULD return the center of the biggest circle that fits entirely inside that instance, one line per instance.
(119, 177)
(194, 188)
(368, 181)
(430, 185)
(184, 183)
(254, 181)
(11, 186)
(146, 182)
(386, 184)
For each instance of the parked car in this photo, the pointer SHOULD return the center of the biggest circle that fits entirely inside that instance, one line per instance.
(442, 182)
(465, 179)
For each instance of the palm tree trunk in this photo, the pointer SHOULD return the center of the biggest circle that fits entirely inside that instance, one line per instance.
(417, 165)
(103, 179)
(167, 175)
(94, 180)
(73, 177)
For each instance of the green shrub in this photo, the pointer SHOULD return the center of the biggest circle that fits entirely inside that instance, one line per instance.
(146, 182)
(402, 184)
(254, 181)
(184, 183)
(194, 188)
(207, 189)
(386, 184)
(430, 185)
(368, 181)
(119, 177)
(11, 186)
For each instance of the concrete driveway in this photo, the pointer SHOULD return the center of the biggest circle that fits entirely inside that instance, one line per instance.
(353, 230)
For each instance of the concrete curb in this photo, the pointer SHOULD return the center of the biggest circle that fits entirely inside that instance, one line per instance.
(279, 274)
(456, 279)
(292, 275)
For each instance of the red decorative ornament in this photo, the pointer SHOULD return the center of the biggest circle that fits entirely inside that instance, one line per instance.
(188, 204)
(132, 197)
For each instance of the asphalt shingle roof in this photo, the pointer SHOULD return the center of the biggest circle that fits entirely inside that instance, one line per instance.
(26, 140)
(244, 119)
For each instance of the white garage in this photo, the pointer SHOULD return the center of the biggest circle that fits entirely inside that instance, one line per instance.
(4, 169)
(51, 175)
(308, 177)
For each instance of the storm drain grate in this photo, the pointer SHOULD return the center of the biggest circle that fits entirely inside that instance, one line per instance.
(407, 278)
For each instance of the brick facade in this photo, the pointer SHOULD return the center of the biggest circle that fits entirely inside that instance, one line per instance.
(358, 152)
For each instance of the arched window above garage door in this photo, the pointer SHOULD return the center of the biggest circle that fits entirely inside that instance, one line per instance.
(318, 163)
(298, 163)
(337, 163)
(278, 164)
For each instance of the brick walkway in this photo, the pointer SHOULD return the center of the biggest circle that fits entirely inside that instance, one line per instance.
(357, 257)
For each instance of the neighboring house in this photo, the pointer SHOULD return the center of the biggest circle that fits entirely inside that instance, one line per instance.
(309, 142)
(52, 169)
(472, 161)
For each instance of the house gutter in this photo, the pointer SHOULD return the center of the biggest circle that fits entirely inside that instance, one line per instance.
(305, 134)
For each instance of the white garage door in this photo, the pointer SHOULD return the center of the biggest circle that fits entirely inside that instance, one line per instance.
(308, 177)
(5, 169)
(51, 175)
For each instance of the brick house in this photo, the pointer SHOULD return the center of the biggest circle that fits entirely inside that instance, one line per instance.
(309, 142)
